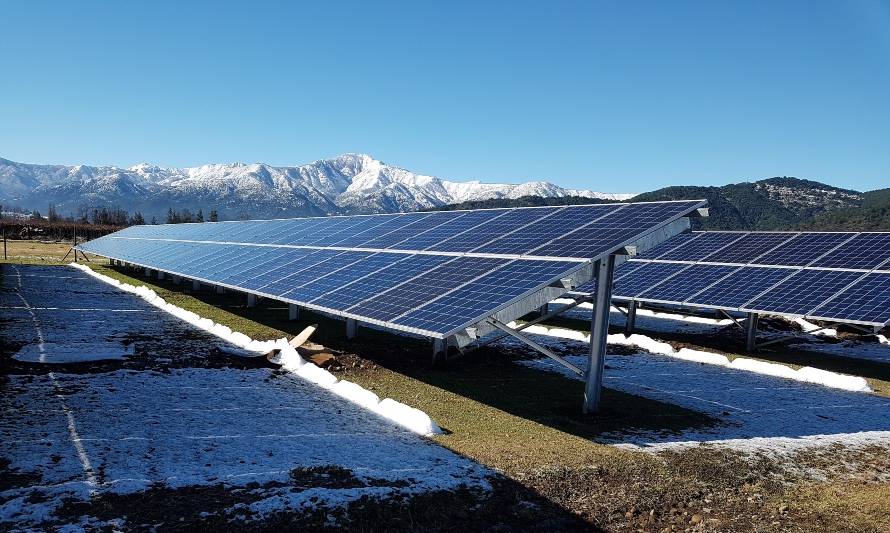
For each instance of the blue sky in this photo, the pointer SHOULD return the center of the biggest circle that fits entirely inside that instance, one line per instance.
(612, 96)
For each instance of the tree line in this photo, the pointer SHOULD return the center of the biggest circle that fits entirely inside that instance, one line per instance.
(104, 216)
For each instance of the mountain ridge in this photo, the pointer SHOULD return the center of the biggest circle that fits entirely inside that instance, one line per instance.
(351, 183)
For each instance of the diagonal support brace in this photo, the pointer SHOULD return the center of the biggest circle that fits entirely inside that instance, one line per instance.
(513, 333)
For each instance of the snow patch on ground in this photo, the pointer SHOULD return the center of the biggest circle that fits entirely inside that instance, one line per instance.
(403, 415)
(205, 427)
(755, 411)
(806, 374)
(53, 353)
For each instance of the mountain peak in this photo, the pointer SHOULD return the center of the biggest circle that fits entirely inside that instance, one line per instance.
(348, 183)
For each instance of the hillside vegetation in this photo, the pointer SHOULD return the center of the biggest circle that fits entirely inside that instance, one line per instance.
(780, 203)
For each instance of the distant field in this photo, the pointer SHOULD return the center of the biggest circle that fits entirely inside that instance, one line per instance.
(39, 252)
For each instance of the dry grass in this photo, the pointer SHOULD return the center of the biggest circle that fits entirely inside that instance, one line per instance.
(40, 252)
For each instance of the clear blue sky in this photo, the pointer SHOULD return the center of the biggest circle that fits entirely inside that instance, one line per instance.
(613, 96)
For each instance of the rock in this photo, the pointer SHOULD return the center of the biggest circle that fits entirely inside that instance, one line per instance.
(324, 360)
(696, 519)
(783, 508)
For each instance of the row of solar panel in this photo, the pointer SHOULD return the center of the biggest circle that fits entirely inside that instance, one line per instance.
(432, 293)
(577, 231)
(825, 294)
(849, 250)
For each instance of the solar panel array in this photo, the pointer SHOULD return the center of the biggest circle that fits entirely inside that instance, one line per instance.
(838, 276)
(428, 273)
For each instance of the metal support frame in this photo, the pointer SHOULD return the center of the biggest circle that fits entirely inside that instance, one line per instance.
(251, 300)
(176, 280)
(293, 312)
(751, 331)
(539, 319)
(220, 289)
(515, 333)
(544, 309)
(440, 350)
(599, 331)
(147, 272)
(351, 328)
(160, 274)
(630, 319)
(196, 285)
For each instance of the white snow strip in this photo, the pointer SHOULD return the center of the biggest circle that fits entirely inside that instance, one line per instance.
(883, 339)
(813, 329)
(399, 413)
(806, 374)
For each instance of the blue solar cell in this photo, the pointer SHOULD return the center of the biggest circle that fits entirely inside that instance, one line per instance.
(692, 280)
(373, 230)
(865, 251)
(868, 300)
(740, 287)
(621, 270)
(368, 264)
(419, 224)
(546, 229)
(465, 222)
(669, 245)
(803, 292)
(294, 260)
(706, 244)
(419, 290)
(333, 260)
(746, 249)
(626, 225)
(803, 249)
(492, 229)
(257, 266)
(485, 295)
(365, 288)
(644, 277)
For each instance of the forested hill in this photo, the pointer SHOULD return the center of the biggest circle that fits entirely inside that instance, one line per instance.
(781, 203)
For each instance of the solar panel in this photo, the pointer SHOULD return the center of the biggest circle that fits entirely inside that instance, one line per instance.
(477, 299)
(739, 287)
(367, 263)
(621, 270)
(690, 281)
(669, 245)
(378, 282)
(866, 300)
(611, 231)
(747, 248)
(803, 249)
(492, 229)
(802, 292)
(706, 244)
(414, 292)
(422, 272)
(644, 277)
(866, 250)
(465, 222)
(546, 230)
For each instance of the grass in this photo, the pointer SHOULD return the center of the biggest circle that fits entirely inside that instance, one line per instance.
(40, 252)
(526, 424)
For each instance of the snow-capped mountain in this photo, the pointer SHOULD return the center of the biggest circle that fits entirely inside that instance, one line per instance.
(350, 183)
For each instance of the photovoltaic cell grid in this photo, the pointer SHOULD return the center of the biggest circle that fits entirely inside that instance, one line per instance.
(349, 265)
(799, 274)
